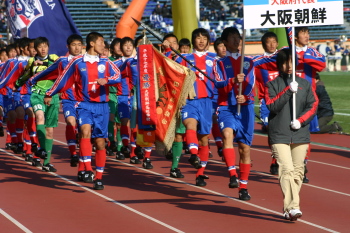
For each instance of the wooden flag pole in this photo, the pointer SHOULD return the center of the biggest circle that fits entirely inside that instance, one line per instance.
(241, 71)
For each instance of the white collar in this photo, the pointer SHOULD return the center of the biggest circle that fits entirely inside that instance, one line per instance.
(70, 57)
(233, 55)
(91, 58)
(266, 54)
(23, 58)
(301, 49)
(199, 54)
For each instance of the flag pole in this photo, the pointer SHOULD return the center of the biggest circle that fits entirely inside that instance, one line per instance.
(293, 71)
(241, 70)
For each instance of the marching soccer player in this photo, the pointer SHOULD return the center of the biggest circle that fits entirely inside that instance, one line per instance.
(228, 78)
(74, 44)
(91, 74)
(198, 125)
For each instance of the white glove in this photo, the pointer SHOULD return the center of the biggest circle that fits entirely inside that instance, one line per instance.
(293, 86)
(295, 124)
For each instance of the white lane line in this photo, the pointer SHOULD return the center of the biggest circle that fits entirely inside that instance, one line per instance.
(14, 221)
(211, 191)
(102, 196)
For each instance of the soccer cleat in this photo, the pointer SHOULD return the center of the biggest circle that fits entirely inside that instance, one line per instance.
(274, 168)
(135, 160)
(233, 182)
(125, 151)
(185, 148)
(14, 147)
(120, 156)
(147, 164)
(244, 195)
(36, 162)
(28, 157)
(294, 214)
(113, 146)
(41, 154)
(19, 148)
(195, 161)
(2, 131)
(98, 185)
(210, 154)
(176, 173)
(139, 152)
(48, 168)
(81, 175)
(169, 154)
(200, 180)
(7, 146)
(220, 152)
(109, 151)
(88, 177)
(74, 160)
(24, 154)
(34, 147)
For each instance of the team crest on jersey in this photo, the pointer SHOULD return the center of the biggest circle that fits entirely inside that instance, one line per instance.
(246, 65)
(22, 13)
(101, 68)
(209, 63)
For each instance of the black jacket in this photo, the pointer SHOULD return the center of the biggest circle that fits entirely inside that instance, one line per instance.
(279, 100)
(324, 105)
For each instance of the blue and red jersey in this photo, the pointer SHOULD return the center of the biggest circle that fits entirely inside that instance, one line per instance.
(7, 67)
(52, 72)
(226, 69)
(83, 72)
(310, 61)
(129, 75)
(10, 79)
(203, 86)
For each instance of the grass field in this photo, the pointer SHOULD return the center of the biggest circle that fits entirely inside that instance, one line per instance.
(338, 87)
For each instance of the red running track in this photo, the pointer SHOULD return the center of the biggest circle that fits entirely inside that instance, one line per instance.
(140, 200)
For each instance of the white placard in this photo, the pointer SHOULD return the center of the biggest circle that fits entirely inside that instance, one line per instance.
(292, 13)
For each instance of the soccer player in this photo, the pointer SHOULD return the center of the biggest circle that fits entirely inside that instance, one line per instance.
(228, 78)
(185, 45)
(219, 48)
(91, 74)
(198, 125)
(46, 116)
(115, 51)
(170, 40)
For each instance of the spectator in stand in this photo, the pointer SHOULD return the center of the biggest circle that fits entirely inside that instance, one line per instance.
(153, 18)
(212, 34)
(234, 10)
(325, 110)
(222, 14)
(203, 15)
(240, 11)
(166, 11)
(185, 45)
(158, 10)
(213, 16)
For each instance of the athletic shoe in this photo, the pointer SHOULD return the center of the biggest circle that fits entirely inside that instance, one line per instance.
(139, 152)
(200, 180)
(24, 154)
(169, 154)
(337, 126)
(294, 214)
(19, 148)
(305, 180)
(74, 160)
(28, 158)
(88, 176)
(34, 147)
(113, 146)
(195, 161)
(109, 151)
(220, 152)
(185, 148)
(41, 154)
(7, 146)
(48, 168)
(274, 168)
(98, 185)
(1, 131)
(244, 195)
(176, 173)
(36, 162)
(135, 160)
(147, 164)
(81, 175)
(286, 215)
(210, 154)
(233, 182)
(14, 147)
(120, 156)
(125, 151)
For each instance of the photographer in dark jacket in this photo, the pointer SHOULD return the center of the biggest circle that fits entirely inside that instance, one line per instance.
(325, 110)
(289, 138)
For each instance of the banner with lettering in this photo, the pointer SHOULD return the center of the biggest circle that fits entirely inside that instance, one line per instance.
(292, 13)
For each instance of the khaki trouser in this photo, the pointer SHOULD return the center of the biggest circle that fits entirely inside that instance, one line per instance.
(290, 159)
